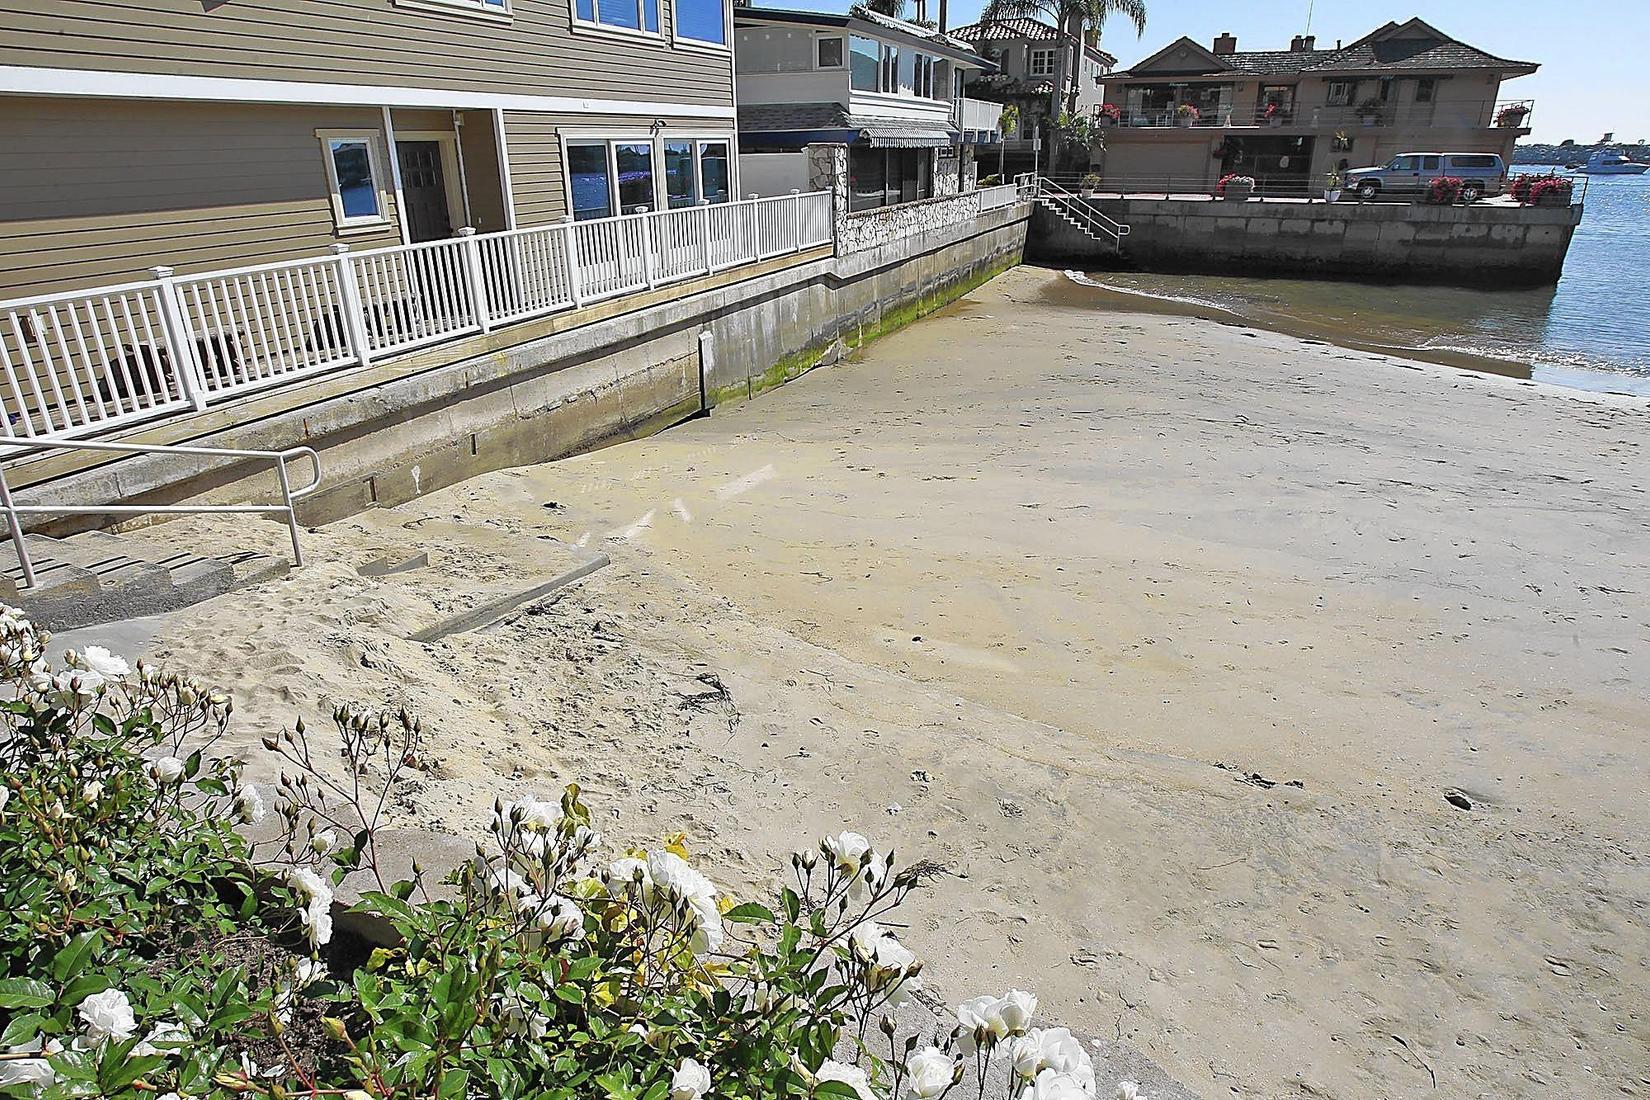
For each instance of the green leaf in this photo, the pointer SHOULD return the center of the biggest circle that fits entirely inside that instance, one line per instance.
(836, 1088)
(572, 994)
(750, 913)
(68, 962)
(25, 993)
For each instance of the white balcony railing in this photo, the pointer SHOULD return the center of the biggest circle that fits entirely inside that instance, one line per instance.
(78, 363)
(977, 114)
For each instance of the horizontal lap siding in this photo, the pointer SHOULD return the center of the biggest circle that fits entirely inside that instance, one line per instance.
(100, 191)
(360, 42)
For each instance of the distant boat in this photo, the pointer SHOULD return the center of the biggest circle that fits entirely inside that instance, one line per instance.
(1609, 162)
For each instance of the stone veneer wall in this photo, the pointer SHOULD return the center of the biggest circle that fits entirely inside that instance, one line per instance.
(857, 231)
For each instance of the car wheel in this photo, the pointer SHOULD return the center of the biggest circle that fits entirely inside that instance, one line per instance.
(1472, 192)
(1368, 189)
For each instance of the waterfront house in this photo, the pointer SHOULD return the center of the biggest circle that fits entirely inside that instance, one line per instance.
(1025, 58)
(888, 89)
(214, 134)
(1189, 113)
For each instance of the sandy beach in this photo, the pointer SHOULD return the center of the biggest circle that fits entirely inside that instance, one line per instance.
(1167, 639)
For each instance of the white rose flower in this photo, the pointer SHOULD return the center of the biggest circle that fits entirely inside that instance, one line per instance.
(690, 1081)
(928, 1073)
(1128, 1090)
(561, 919)
(852, 1076)
(94, 658)
(1054, 1085)
(977, 1014)
(249, 804)
(307, 972)
(316, 918)
(107, 1015)
(166, 770)
(1064, 1054)
(848, 851)
(623, 873)
(890, 961)
(323, 842)
(75, 687)
(1017, 1008)
(307, 884)
(672, 874)
(92, 791)
(1027, 1055)
(31, 1071)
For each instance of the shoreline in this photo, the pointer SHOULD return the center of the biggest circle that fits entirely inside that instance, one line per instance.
(1086, 291)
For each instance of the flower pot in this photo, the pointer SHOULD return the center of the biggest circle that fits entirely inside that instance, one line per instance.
(1553, 198)
(1274, 122)
(1185, 122)
(1238, 192)
(1331, 196)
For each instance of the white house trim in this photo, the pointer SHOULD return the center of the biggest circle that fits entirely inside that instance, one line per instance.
(502, 142)
(29, 80)
(395, 177)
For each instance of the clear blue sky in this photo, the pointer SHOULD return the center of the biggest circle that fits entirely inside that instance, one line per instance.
(1595, 66)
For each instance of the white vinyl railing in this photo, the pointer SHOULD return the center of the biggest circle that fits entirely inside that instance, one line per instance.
(78, 363)
(999, 196)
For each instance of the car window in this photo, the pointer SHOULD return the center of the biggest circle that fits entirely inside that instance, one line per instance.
(1478, 161)
(1429, 164)
(1402, 164)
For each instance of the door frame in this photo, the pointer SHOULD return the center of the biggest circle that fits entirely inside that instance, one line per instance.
(451, 173)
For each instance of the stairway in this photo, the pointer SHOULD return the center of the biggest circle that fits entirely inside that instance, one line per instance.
(96, 577)
(1077, 213)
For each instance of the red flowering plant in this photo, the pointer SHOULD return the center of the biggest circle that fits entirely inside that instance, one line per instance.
(1186, 110)
(1110, 113)
(1444, 190)
(1231, 178)
(1529, 190)
(1273, 110)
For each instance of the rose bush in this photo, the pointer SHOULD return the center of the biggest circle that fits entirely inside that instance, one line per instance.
(151, 950)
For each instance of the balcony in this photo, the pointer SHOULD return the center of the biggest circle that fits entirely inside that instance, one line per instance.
(1511, 114)
(977, 115)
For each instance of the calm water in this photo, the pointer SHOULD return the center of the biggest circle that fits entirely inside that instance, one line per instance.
(1592, 331)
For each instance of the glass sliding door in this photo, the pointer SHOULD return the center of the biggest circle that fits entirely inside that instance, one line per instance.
(679, 175)
(634, 160)
(714, 184)
(592, 180)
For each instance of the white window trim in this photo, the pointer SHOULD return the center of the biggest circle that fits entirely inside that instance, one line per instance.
(577, 135)
(1034, 52)
(596, 27)
(686, 42)
(346, 225)
(843, 64)
(464, 9)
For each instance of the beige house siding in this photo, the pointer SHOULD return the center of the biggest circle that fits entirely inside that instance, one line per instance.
(363, 42)
(99, 191)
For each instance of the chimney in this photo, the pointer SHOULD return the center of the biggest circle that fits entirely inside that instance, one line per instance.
(1295, 44)
(1309, 43)
(1226, 44)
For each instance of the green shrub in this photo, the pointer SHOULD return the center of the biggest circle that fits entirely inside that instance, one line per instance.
(151, 950)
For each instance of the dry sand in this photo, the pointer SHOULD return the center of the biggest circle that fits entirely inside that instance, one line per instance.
(1030, 590)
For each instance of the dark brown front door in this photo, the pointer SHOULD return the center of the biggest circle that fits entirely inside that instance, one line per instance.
(423, 190)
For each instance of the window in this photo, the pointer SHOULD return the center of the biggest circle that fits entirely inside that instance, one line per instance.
(497, 10)
(592, 180)
(353, 178)
(922, 84)
(1342, 92)
(829, 53)
(1386, 90)
(679, 175)
(1429, 164)
(1404, 164)
(1039, 62)
(695, 172)
(701, 20)
(635, 173)
(1476, 160)
(884, 177)
(714, 180)
(890, 69)
(864, 62)
(1425, 89)
(908, 65)
(632, 15)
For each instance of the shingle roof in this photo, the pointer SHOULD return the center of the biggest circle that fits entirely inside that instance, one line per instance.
(783, 118)
(1031, 30)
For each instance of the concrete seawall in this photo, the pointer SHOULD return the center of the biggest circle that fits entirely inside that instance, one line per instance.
(531, 395)
(1482, 244)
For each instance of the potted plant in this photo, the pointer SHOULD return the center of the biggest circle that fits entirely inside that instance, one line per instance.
(1368, 112)
(1110, 114)
(1088, 185)
(1444, 190)
(1273, 113)
(1551, 190)
(1235, 188)
(1512, 116)
(1332, 187)
(1342, 142)
(1187, 114)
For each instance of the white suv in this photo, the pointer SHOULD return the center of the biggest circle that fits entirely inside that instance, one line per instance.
(1480, 174)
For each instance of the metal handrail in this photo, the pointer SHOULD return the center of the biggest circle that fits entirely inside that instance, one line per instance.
(288, 494)
(1095, 219)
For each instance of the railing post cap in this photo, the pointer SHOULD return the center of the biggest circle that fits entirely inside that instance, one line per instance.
(795, 191)
(467, 231)
(161, 271)
(339, 249)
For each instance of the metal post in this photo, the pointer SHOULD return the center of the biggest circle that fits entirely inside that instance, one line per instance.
(575, 284)
(16, 528)
(355, 312)
(291, 514)
(180, 339)
(471, 250)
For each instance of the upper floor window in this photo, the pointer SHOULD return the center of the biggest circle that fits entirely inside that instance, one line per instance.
(701, 20)
(1040, 62)
(890, 68)
(828, 51)
(498, 10)
(923, 77)
(630, 15)
(1342, 92)
(1425, 89)
(864, 63)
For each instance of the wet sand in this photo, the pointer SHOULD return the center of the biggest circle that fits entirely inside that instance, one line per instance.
(1166, 638)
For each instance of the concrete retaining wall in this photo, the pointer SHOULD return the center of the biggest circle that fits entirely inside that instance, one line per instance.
(520, 399)
(1482, 244)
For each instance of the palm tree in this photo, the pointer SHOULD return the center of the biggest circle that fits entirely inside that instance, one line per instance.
(895, 8)
(1075, 19)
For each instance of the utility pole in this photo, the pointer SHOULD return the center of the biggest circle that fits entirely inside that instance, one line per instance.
(942, 16)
